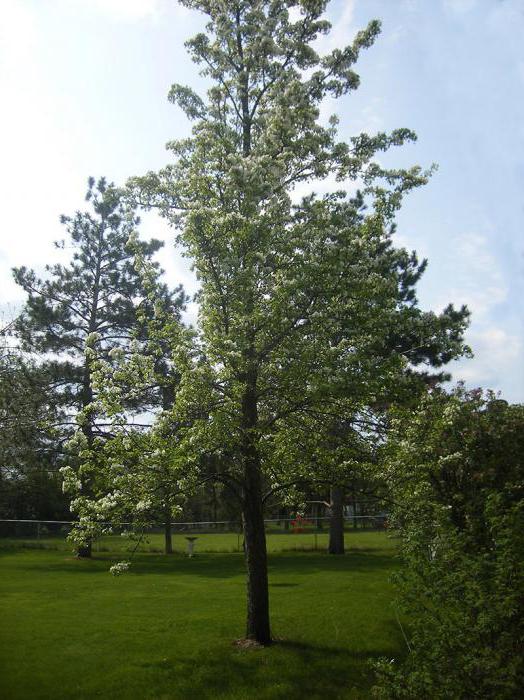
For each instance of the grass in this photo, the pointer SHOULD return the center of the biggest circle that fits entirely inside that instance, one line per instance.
(206, 542)
(166, 629)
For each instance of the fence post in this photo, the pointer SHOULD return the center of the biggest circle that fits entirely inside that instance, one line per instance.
(38, 530)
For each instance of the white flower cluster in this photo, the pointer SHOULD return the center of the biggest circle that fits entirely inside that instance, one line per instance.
(117, 353)
(120, 568)
(107, 503)
(143, 505)
(92, 339)
(70, 481)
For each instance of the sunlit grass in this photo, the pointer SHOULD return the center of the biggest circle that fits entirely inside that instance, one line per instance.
(166, 629)
(206, 542)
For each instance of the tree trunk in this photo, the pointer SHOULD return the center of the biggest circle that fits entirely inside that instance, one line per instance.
(257, 627)
(87, 389)
(320, 523)
(84, 552)
(336, 521)
(168, 541)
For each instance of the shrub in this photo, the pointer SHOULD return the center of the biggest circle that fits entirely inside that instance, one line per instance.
(456, 474)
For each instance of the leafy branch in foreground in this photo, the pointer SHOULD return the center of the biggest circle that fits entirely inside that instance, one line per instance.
(455, 470)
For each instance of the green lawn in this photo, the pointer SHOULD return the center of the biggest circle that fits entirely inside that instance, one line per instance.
(206, 542)
(165, 629)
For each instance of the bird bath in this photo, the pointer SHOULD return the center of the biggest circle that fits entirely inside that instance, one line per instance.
(190, 545)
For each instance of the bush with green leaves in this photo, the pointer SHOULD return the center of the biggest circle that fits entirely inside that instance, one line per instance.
(455, 470)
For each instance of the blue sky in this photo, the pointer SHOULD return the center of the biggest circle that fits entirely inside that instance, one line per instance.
(84, 85)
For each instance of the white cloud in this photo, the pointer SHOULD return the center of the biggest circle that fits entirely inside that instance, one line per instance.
(498, 363)
(471, 273)
(399, 33)
(15, 16)
(35, 153)
(498, 342)
(478, 280)
(45, 147)
(495, 351)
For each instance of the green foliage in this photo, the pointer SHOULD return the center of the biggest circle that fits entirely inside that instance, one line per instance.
(305, 308)
(92, 311)
(26, 414)
(455, 469)
(134, 476)
(93, 296)
(29, 447)
(34, 494)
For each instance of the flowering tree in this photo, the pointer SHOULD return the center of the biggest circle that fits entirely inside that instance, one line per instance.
(305, 308)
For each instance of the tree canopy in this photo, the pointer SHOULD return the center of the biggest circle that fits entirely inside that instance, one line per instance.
(306, 307)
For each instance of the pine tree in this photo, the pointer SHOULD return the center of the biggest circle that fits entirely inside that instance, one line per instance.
(92, 295)
(92, 300)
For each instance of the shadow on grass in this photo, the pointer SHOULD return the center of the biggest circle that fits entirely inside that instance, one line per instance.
(217, 566)
(290, 669)
(296, 564)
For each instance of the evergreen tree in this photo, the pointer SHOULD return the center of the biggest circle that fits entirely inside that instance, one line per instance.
(93, 301)
(94, 295)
